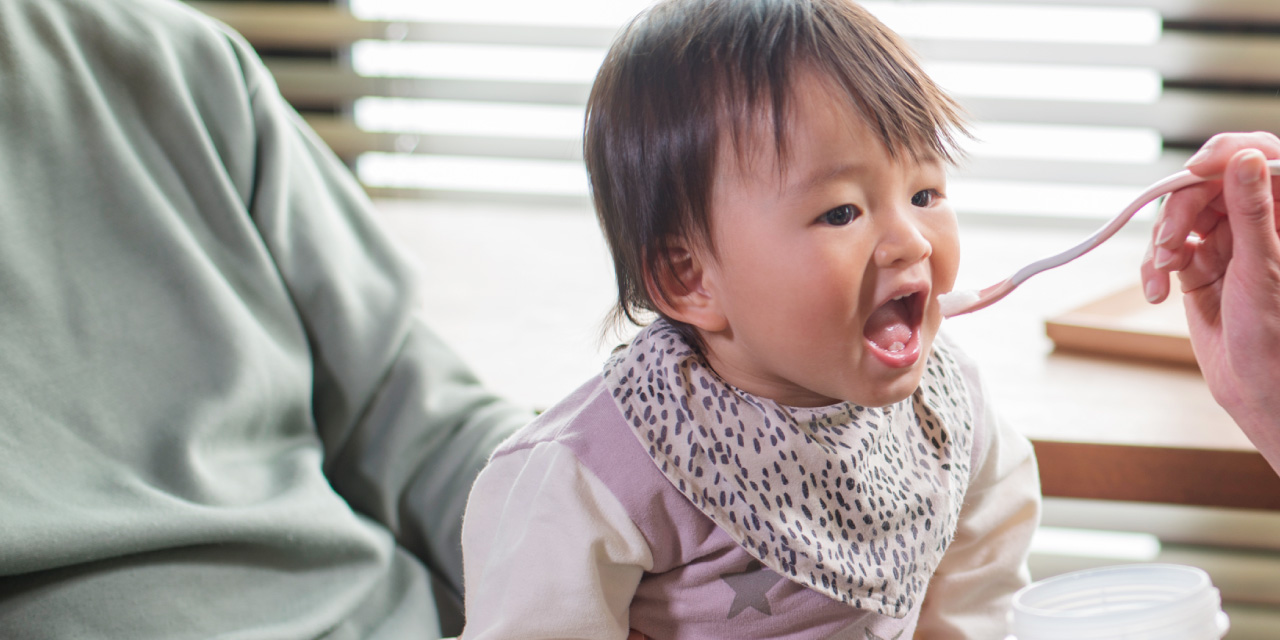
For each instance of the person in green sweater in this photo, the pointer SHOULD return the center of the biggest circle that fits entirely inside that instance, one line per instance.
(221, 415)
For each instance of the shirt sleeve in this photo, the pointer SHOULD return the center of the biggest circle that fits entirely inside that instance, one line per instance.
(972, 590)
(549, 552)
(406, 427)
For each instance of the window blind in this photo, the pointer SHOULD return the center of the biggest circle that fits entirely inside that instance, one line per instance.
(1077, 104)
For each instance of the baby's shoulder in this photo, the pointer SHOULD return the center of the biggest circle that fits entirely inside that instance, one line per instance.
(585, 414)
(590, 425)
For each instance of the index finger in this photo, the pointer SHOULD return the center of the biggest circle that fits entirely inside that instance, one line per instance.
(1212, 158)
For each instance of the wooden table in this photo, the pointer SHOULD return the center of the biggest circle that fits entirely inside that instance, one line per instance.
(1104, 428)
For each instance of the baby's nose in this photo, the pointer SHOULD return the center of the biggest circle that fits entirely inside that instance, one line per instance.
(901, 242)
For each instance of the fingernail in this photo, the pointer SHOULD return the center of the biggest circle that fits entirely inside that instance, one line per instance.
(1246, 173)
(1201, 155)
(1163, 232)
(1163, 257)
(1153, 292)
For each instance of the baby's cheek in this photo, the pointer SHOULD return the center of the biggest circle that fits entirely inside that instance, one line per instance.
(945, 265)
(945, 238)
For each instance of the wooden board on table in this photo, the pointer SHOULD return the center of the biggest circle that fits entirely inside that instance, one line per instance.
(1168, 475)
(1124, 324)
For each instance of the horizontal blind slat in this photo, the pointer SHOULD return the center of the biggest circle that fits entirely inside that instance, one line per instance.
(1244, 11)
(288, 25)
(1181, 116)
(1106, 173)
(1177, 55)
(348, 140)
(284, 25)
(320, 82)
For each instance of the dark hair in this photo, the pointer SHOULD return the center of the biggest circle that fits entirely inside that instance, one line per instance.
(686, 72)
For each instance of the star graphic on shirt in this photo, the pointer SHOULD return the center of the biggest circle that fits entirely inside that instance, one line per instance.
(872, 636)
(750, 588)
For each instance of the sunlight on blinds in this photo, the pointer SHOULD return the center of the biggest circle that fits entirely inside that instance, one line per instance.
(605, 13)
(1028, 22)
(470, 118)
(1047, 82)
(478, 61)
(1129, 145)
(1020, 23)
(461, 173)
(985, 189)
(1092, 543)
(1038, 199)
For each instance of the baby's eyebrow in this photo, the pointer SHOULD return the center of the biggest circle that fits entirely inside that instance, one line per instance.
(825, 173)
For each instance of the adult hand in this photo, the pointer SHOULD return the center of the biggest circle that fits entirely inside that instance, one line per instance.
(636, 635)
(1220, 236)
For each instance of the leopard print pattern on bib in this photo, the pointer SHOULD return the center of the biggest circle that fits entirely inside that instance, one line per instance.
(858, 503)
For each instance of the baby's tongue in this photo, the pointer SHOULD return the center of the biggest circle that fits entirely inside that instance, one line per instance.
(887, 327)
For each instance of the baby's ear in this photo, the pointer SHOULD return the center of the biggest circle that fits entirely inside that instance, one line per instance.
(680, 288)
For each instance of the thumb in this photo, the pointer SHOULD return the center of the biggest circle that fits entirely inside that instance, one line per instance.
(1251, 208)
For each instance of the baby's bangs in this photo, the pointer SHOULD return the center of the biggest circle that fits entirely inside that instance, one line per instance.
(749, 82)
(877, 69)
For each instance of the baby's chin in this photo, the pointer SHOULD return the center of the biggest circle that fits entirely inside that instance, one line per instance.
(899, 391)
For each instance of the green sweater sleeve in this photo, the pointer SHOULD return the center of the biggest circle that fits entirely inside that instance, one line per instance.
(223, 415)
(406, 426)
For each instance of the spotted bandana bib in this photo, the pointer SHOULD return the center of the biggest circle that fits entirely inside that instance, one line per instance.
(858, 503)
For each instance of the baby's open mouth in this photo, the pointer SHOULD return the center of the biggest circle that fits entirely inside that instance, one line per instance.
(892, 326)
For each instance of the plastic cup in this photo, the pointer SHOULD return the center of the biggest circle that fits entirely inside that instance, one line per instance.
(1125, 602)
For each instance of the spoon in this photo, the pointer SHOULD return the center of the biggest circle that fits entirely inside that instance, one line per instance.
(969, 300)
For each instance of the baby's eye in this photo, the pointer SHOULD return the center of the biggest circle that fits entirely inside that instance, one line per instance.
(924, 198)
(841, 215)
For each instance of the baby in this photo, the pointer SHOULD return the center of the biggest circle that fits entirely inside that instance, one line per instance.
(788, 449)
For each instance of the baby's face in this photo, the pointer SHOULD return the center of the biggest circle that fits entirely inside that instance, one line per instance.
(827, 271)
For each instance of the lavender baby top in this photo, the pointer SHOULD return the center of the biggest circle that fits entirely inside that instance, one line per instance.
(581, 527)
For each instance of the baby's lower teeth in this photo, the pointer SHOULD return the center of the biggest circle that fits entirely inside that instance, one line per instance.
(897, 346)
